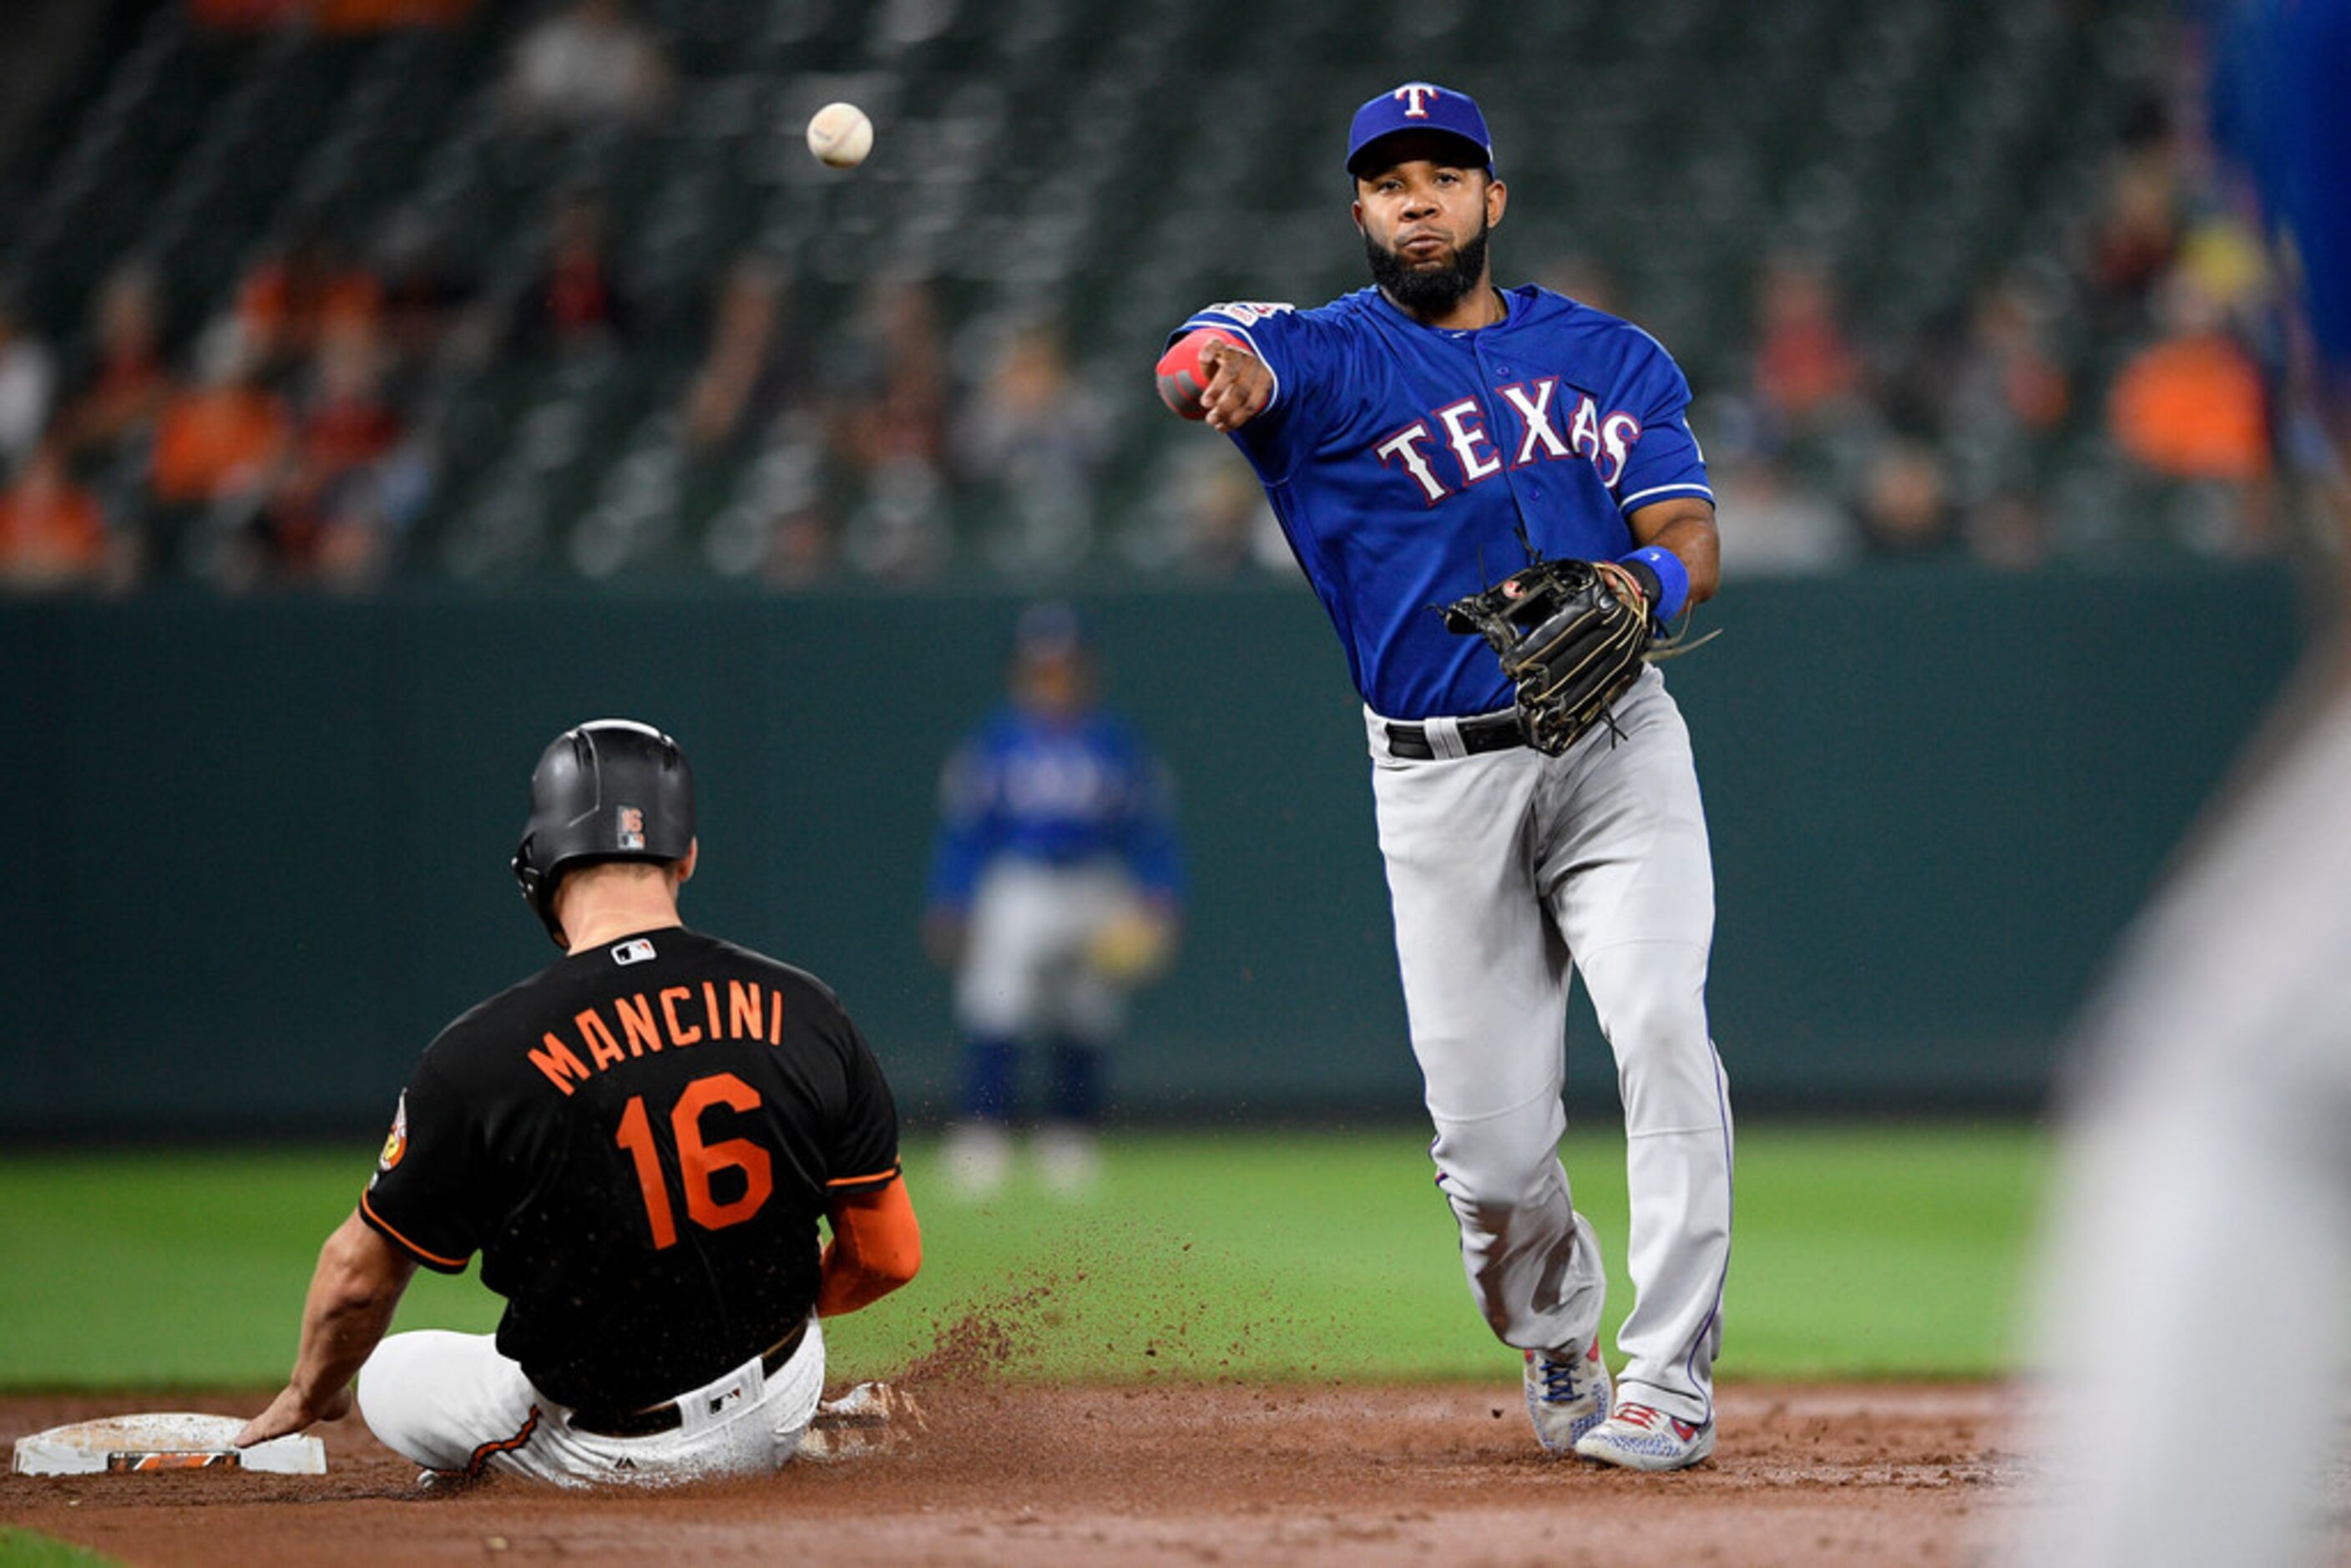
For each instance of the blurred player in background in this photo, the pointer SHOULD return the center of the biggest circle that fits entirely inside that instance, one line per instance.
(639, 1141)
(2196, 1284)
(1056, 888)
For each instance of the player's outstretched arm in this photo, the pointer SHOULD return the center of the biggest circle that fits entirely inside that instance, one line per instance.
(877, 1246)
(1210, 374)
(353, 1293)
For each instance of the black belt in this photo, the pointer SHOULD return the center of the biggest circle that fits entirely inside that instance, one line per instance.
(1495, 732)
(666, 1417)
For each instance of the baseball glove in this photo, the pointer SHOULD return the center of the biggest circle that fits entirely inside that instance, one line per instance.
(1571, 635)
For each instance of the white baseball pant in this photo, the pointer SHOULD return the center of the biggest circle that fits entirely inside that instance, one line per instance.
(452, 1403)
(2195, 1275)
(1027, 971)
(1509, 871)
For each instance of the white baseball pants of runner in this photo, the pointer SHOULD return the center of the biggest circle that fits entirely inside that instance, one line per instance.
(1027, 971)
(1510, 872)
(452, 1403)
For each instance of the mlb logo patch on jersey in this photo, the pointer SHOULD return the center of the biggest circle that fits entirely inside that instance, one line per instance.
(635, 951)
(1248, 312)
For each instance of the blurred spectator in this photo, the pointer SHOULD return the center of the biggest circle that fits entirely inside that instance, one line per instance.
(428, 298)
(893, 371)
(2009, 532)
(309, 530)
(803, 548)
(2191, 405)
(221, 436)
(379, 15)
(1806, 371)
(1204, 514)
(347, 423)
(52, 532)
(2008, 375)
(328, 16)
(751, 372)
(890, 432)
(576, 303)
(1031, 440)
(296, 295)
(28, 385)
(1775, 525)
(1583, 278)
(590, 60)
(124, 391)
(2137, 232)
(1904, 504)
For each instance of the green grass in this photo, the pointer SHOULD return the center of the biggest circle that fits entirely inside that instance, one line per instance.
(1874, 1251)
(29, 1549)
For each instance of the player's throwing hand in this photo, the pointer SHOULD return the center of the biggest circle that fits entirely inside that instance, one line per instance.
(1239, 386)
(1211, 375)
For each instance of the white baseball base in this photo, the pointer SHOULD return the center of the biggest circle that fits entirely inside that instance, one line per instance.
(131, 1444)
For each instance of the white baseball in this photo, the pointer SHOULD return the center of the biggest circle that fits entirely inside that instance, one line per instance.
(841, 135)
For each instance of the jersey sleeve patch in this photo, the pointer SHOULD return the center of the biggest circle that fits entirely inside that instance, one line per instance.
(1245, 312)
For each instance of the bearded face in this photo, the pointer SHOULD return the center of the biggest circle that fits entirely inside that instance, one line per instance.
(1431, 285)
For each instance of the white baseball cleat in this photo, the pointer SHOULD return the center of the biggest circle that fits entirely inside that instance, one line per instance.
(1567, 1394)
(1642, 1437)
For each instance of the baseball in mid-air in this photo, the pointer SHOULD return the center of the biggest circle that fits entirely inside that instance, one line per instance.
(841, 135)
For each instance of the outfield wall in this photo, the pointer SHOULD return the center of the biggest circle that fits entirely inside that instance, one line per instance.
(261, 845)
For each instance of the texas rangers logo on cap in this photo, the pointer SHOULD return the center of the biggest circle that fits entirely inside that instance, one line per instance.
(1420, 106)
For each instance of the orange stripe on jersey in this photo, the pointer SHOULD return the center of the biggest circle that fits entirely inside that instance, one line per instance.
(378, 1220)
(862, 1180)
(488, 1451)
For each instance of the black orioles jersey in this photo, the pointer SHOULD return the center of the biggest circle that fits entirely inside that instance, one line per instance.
(639, 1141)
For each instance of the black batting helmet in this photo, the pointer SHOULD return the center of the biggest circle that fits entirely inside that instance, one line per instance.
(611, 789)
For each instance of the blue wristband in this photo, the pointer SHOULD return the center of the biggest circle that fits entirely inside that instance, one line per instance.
(1673, 579)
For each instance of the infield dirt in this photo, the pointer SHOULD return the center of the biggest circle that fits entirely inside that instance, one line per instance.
(1139, 1474)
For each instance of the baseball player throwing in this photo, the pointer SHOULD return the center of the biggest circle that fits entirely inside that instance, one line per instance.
(1422, 442)
(639, 1141)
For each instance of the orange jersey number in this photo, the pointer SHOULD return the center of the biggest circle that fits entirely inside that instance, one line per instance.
(698, 1161)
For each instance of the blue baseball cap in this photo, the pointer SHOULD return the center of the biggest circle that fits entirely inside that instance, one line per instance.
(1420, 106)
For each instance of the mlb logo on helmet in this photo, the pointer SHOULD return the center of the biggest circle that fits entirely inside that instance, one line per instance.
(1420, 106)
(633, 829)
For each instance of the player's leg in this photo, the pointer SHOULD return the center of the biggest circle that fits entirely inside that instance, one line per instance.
(1083, 1009)
(454, 1405)
(1631, 884)
(451, 1404)
(1485, 982)
(999, 994)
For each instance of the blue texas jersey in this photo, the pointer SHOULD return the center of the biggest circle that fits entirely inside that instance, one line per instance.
(1058, 791)
(1411, 464)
